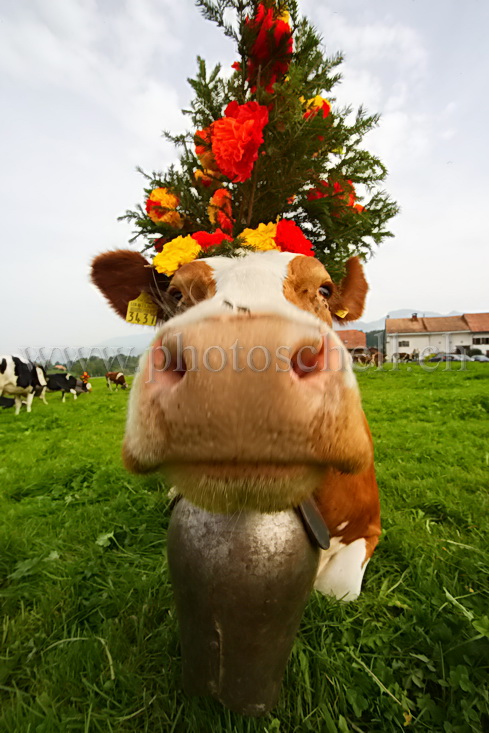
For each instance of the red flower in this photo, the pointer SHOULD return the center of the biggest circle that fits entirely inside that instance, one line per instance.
(236, 139)
(220, 210)
(344, 191)
(271, 50)
(206, 239)
(290, 238)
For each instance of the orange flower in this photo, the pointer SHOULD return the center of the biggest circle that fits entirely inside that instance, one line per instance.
(237, 137)
(161, 208)
(220, 210)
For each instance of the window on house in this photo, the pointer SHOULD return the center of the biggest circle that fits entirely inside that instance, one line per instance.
(479, 340)
(403, 343)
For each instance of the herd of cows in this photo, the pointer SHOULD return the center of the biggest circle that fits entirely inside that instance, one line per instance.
(22, 380)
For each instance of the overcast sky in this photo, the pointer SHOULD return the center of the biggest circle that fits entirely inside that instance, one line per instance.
(88, 85)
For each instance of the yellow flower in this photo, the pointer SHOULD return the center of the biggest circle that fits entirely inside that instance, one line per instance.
(175, 254)
(316, 104)
(161, 207)
(262, 238)
(285, 16)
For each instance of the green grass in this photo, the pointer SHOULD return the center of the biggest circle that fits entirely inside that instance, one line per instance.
(89, 640)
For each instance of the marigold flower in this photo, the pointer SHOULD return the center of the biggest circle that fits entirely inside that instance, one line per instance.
(203, 149)
(237, 137)
(206, 178)
(290, 238)
(176, 253)
(315, 105)
(262, 238)
(220, 210)
(161, 208)
(206, 239)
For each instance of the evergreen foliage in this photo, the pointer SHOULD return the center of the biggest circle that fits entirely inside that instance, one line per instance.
(311, 168)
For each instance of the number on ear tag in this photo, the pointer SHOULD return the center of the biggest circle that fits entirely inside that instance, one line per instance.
(341, 313)
(143, 310)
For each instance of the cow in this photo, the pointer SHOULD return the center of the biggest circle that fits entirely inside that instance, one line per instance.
(82, 386)
(21, 379)
(65, 383)
(6, 402)
(116, 378)
(401, 356)
(247, 397)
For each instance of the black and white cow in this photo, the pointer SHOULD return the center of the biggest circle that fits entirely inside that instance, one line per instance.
(6, 402)
(67, 383)
(21, 379)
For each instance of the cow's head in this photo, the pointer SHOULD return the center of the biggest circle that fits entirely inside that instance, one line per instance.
(247, 395)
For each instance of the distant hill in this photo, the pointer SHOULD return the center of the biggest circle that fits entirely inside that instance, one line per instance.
(130, 344)
(379, 324)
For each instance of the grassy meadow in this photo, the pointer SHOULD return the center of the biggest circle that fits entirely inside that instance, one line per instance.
(88, 633)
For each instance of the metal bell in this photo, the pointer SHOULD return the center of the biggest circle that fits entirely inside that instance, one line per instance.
(241, 583)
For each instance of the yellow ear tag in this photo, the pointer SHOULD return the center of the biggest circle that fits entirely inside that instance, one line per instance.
(341, 313)
(142, 311)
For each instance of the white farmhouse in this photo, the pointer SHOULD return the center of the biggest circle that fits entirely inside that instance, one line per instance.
(445, 334)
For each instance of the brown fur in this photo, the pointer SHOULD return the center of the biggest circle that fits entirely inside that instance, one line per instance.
(301, 287)
(354, 499)
(351, 293)
(121, 275)
(195, 281)
(305, 277)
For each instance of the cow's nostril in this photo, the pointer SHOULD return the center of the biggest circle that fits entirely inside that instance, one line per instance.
(308, 359)
(165, 367)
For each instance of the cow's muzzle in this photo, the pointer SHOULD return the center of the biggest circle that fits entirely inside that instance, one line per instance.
(246, 412)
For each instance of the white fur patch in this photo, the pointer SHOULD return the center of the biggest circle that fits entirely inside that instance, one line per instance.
(253, 283)
(341, 569)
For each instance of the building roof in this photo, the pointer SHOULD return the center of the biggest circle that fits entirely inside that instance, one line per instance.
(474, 322)
(477, 321)
(353, 339)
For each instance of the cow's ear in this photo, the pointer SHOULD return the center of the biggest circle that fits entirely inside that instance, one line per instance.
(348, 301)
(122, 275)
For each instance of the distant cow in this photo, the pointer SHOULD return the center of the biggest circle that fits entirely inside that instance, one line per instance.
(7, 402)
(401, 356)
(65, 383)
(117, 378)
(82, 386)
(21, 379)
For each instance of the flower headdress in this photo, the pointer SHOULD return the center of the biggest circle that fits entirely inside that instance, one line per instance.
(271, 163)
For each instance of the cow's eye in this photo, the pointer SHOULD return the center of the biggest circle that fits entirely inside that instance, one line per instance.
(325, 291)
(176, 294)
